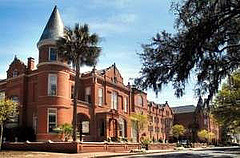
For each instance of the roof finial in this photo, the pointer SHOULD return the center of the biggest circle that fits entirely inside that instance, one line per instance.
(15, 57)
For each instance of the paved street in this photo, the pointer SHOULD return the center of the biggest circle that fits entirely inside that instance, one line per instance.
(208, 153)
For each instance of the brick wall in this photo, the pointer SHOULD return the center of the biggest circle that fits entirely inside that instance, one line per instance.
(70, 147)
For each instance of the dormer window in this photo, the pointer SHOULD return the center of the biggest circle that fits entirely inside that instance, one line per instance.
(15, 73)
(52, 54)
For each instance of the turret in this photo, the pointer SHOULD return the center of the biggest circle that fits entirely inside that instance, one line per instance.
(47, 43)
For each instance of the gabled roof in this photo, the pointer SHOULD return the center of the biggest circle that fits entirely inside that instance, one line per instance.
(183, 109)
(54, 28)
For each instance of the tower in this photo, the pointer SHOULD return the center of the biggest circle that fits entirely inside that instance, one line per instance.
(47, 42)
(54, 106)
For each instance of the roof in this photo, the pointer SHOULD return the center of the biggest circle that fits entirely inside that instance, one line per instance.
(54, 28)
(183, 109)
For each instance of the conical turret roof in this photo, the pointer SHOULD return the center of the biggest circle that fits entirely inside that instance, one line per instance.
(54, 28)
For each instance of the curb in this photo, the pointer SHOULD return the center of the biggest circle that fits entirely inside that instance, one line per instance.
(135, 154)
(164, 151)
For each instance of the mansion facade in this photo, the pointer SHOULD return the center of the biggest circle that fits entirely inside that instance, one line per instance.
(44, 95)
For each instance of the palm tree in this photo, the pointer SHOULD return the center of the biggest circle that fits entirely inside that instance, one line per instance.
(80, 47)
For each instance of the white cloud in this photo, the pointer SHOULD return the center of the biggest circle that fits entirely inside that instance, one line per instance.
(115, 24)
(3, 76)
(111, 3)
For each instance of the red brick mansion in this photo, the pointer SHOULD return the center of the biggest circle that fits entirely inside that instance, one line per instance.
(44, 95)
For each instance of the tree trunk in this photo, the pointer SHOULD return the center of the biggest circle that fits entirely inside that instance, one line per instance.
(1, 135)
(75, 99)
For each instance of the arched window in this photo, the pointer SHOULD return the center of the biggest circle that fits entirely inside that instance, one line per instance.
(15, 73)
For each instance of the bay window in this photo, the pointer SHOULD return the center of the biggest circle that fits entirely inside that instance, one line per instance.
(52, 84)
(52, 119)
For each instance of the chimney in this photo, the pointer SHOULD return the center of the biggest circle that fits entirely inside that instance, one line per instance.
(30, 65)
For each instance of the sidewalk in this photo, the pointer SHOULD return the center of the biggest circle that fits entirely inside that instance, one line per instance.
(34, 154)
(133, 153)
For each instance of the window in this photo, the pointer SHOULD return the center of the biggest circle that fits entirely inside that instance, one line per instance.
(125, 104)
(72, 91)
(114, 101)
(52, 54)
(15, 73)
(35, 123)
(167, 113)
(121, 128)
(156, 119)
(205, 121)
(88, 95)
(52, 84)
(52, 119)
(140, 100)
(100, 96)
(157, 129)
(2, 95)
(85, 127)
(150, 118)
(150, 128)
(102, 128)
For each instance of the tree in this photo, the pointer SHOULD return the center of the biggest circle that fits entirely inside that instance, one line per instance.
(226, 109)
(178, 130)
(80, 47)
(8, 109)
(139, 121)
(203, 135)
(206, 45)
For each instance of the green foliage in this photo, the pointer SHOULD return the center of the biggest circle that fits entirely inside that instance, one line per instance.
(204, 135)
(139, 122)
(206, 44)
(79, 46)
(8, 108)
(145, 141)
(178, 130)
(227, 103)
(140, 119)
(65, 130)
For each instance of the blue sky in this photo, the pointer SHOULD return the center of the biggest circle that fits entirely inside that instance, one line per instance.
(123, 26)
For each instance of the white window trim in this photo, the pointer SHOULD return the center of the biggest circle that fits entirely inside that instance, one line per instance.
(86, 95)
(49, 86)
(15, 73)
(113, 106)
(55, 109)
(140, 101)
(49, 54)
(100, 103)
(72, 86)
(125, 101)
